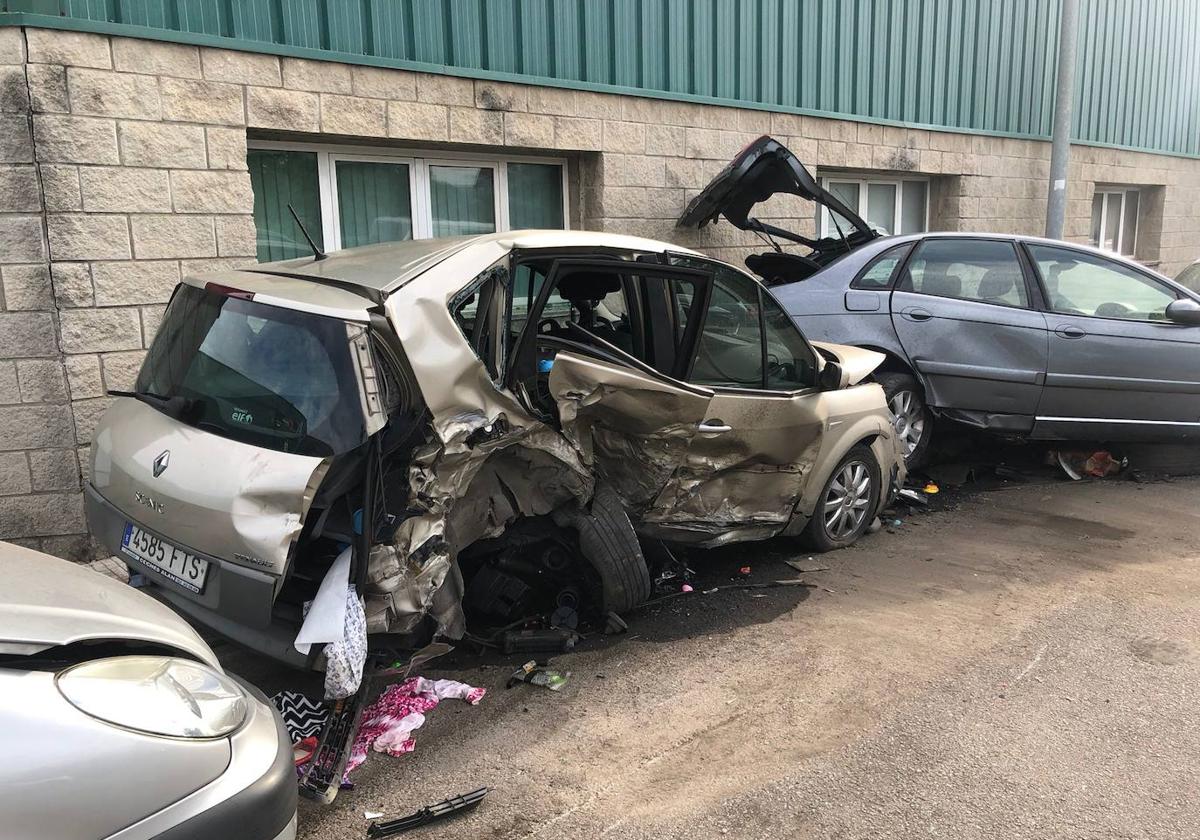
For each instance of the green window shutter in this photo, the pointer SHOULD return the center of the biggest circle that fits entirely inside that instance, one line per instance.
(374, 202)
(463, 200)
(535, 198)
(279, 179)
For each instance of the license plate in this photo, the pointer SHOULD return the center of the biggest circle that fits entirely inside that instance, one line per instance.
(173, 563)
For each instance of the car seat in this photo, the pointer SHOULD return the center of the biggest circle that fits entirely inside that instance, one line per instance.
(998, 285)
(584, 290)
(936, 281)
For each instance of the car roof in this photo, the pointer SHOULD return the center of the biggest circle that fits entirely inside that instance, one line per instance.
(378, 270)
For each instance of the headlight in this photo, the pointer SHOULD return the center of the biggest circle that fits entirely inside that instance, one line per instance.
(156, 694)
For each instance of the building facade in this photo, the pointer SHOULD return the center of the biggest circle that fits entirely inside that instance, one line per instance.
(144, 140)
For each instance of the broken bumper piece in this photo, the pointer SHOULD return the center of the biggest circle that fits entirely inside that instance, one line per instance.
(429, 814)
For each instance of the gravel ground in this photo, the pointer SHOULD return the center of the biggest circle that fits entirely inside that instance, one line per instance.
(1021, 664)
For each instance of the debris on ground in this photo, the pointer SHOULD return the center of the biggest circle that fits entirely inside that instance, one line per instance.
(550, 640)
(1078, 465)
(536, 673)
(388, 723)
(302, 716)
(802, 569)
(429, 814)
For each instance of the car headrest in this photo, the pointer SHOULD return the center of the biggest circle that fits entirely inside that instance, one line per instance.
(997, 283)
(588, 285)
(936, 281)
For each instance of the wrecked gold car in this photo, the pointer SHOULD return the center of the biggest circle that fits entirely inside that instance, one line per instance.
(486, 422)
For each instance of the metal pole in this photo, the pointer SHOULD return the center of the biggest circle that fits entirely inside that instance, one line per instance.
(1064, 95)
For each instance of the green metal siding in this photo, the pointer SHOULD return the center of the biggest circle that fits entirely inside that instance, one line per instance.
(976, 65)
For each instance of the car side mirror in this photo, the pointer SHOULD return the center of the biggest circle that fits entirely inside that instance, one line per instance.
(1184, 311)
(830, 377)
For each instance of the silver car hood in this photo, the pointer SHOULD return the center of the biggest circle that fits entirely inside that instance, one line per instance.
(49, 602)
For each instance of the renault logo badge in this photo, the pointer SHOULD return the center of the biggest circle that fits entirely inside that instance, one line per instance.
(161, 462)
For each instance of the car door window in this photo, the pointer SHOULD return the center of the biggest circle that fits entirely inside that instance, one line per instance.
(1079, 283)
(791, 364)
(967, 269)
(877, 276)
(729, 352)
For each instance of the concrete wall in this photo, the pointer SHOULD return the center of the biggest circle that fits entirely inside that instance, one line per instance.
(123, 167)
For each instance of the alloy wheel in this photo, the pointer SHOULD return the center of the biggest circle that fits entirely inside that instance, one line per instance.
(908, 413)
(847, 500)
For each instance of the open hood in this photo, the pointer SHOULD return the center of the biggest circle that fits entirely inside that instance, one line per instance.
(49, 602)
(759, 171)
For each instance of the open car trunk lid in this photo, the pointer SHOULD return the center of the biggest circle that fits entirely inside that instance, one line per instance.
(759, 171)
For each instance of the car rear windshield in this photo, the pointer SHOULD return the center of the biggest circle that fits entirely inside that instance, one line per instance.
(258, 374)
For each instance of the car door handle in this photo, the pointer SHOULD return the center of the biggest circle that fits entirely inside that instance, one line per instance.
(1069, 331)
(916, 313)
(713, 427)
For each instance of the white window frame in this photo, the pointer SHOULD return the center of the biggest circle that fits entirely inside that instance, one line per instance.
(1105, 192)
(418, 162)
(863, 182)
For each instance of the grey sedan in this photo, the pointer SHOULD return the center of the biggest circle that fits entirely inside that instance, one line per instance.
(1016, 335)
(118, 722)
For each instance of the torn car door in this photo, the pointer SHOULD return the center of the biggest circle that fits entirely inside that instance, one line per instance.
(586, 356)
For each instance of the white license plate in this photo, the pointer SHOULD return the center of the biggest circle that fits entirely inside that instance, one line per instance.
(185, 569)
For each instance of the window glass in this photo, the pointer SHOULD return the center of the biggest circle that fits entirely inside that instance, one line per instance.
(1112, 221)
(594, 300)
(1079, 283)
(913, 202)
(374, 202)
(1097, 217)
(1129, 224)
(847, 191)
(881, 207)
(463, 200)
(476, 316)
(279, 179)
(879, 273)
(258, 374)
(969, 269)
(790, 362)
(535, 195)
(729, 351)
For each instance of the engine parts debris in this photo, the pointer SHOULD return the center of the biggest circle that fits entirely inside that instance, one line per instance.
(429, 814)
(553, 639)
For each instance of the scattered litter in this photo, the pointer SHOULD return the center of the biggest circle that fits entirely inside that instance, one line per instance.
(744, 571)
(799, 567)
(875, 525)
(535, 674)
(336, 619)
(687, 587)
(429, 814)
(896, 523)
(932, 488)
(302, 717)
(914, 496)
(388, 723)
(303, 750)
(1099, 464)
(372, 815)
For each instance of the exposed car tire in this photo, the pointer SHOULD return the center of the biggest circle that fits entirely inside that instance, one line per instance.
(913, 419)
(847, 504)
(607, 540)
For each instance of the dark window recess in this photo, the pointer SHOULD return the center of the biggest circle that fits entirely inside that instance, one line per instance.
(262, 375)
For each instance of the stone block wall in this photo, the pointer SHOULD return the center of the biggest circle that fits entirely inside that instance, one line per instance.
(123, 168)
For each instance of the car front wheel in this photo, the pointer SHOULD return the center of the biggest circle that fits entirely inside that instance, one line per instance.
(911, 416)
(847, 503)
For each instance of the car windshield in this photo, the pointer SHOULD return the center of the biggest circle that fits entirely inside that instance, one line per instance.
(258, 374)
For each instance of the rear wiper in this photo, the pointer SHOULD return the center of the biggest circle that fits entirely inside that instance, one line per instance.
(173, 407)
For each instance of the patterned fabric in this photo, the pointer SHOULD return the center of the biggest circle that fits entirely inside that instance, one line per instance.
(388, 723)
(301, 716)
(344, 658)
